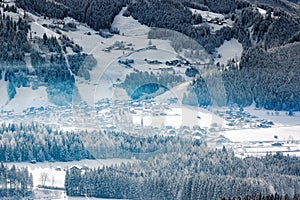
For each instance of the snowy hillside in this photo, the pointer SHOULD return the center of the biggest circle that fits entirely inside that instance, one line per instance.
(129, 26)
(3, 91)
(107, 71)
(26, 98)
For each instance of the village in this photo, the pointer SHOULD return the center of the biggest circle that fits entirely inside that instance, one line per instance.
(139, 117)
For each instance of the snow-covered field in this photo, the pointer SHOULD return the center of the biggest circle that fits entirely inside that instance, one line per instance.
(124, 24)
(180, 116)
(176, 92)
(4, 95)
(29, 98)
(278, 117)
(38, 30)
(283, 134)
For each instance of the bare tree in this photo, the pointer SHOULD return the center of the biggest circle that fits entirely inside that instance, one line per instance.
(44, 177)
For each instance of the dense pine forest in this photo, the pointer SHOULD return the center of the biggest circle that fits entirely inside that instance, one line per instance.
(110, 144)
(268, 197)
(98, 14)
(194, 172)
(14, 45)
(19, 143)
(15, 182)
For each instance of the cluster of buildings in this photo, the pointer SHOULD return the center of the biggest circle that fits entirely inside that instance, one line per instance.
(240, 118)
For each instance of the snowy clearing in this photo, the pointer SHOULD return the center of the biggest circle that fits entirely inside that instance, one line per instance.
(180, 116)
(176, 92)
(231, 49)
(56, 170)
(264, 134)
(129, 26)
(29, 98)
(278, 117)
(207, 14)
(262, 11)
(4, 95)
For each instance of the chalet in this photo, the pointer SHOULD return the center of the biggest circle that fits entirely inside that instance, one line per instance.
(263, 125)
(58, 22)
(33, 161)
(70, 27)
(75, 167)
(277, 144)
(171, 131)
(153, 62)
(168, 69)
(153, 47)
(197, 133)
(105, 34)
(58, 168)
(172, 62)
(126, 62)
(186, 132)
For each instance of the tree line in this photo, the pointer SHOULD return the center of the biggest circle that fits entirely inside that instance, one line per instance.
(267, 197)
(23, 143)
(16, 183)
(111, 144)
(98, 14)
(195, 172)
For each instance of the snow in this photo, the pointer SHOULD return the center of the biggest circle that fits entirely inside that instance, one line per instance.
(104, 75)
(27, 97)
(108, 70)
(178, 116)
(129, 26)
(264, 134)
(262, 11)
(176, 92)
(3, 93)
(258, 142)
(38, 30)
(56, 175)
(162, 55)
(229, 50)
(278, 117)
(207, 14)
(251, 141)
(56, 178)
